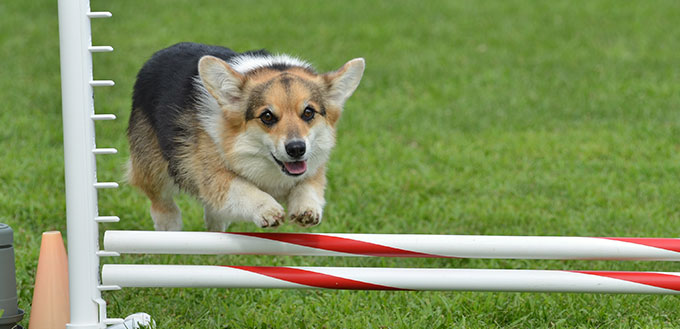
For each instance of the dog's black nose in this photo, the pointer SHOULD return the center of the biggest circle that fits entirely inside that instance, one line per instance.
(296, 149)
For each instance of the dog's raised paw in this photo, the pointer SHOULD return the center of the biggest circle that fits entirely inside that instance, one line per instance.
(307, 218)
(271, 218)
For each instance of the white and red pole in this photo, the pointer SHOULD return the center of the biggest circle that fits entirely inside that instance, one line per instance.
(199, 276)
(393, 245)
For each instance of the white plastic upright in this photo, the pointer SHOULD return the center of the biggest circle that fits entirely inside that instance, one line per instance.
(79, 161)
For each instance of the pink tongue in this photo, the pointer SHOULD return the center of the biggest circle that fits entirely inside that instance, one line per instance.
(297, 167)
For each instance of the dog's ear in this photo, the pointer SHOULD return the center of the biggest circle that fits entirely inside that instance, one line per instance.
(221, 81)
(343, 82)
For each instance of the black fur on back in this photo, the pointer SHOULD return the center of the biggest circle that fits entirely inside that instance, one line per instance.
(165, 90)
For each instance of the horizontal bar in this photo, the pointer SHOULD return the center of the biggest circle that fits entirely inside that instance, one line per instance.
(107, 219)
(103, 253)
(103, 117)
(358, 278)
(100, 185)
(100, 49)
(99, 14)
(393, 245)
(108, 287)
(99, 151)
(102, 83)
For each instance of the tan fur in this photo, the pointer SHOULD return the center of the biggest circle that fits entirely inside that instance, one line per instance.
(208, 170)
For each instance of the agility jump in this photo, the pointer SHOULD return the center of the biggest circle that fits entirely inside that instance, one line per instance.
(88, 309)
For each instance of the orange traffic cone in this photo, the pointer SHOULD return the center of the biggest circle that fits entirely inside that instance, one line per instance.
(50, 307)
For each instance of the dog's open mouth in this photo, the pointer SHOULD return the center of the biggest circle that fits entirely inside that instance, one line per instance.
(295, 168)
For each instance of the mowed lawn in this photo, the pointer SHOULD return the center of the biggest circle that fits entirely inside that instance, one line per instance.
(494, 117)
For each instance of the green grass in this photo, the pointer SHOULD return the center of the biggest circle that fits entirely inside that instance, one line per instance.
(503, 117)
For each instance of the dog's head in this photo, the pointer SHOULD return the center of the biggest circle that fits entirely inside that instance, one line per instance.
(274, 115)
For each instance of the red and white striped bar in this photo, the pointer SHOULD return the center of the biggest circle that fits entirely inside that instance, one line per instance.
(393, 245)
(199, 276)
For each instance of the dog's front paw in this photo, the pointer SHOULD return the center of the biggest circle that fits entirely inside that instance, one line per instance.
(271, 216)
(306, 218)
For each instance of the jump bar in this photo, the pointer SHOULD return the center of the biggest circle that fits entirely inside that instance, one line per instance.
(359, 278)
(393, 245)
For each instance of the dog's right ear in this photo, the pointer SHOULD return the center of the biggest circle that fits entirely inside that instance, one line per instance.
(221, 81)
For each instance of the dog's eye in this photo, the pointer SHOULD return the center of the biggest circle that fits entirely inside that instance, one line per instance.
(268, 118)
(308, 113)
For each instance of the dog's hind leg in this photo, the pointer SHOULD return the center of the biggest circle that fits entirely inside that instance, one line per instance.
(160, 190)
(164, 212)
(148, 170)
(214, 221)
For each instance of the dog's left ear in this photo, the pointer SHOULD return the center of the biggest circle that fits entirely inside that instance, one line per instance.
(343, 82)
(223, 82)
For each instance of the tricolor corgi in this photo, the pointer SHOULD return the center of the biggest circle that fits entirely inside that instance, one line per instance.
(242, 132)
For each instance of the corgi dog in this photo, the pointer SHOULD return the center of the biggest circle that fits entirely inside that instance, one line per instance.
(242, 132)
